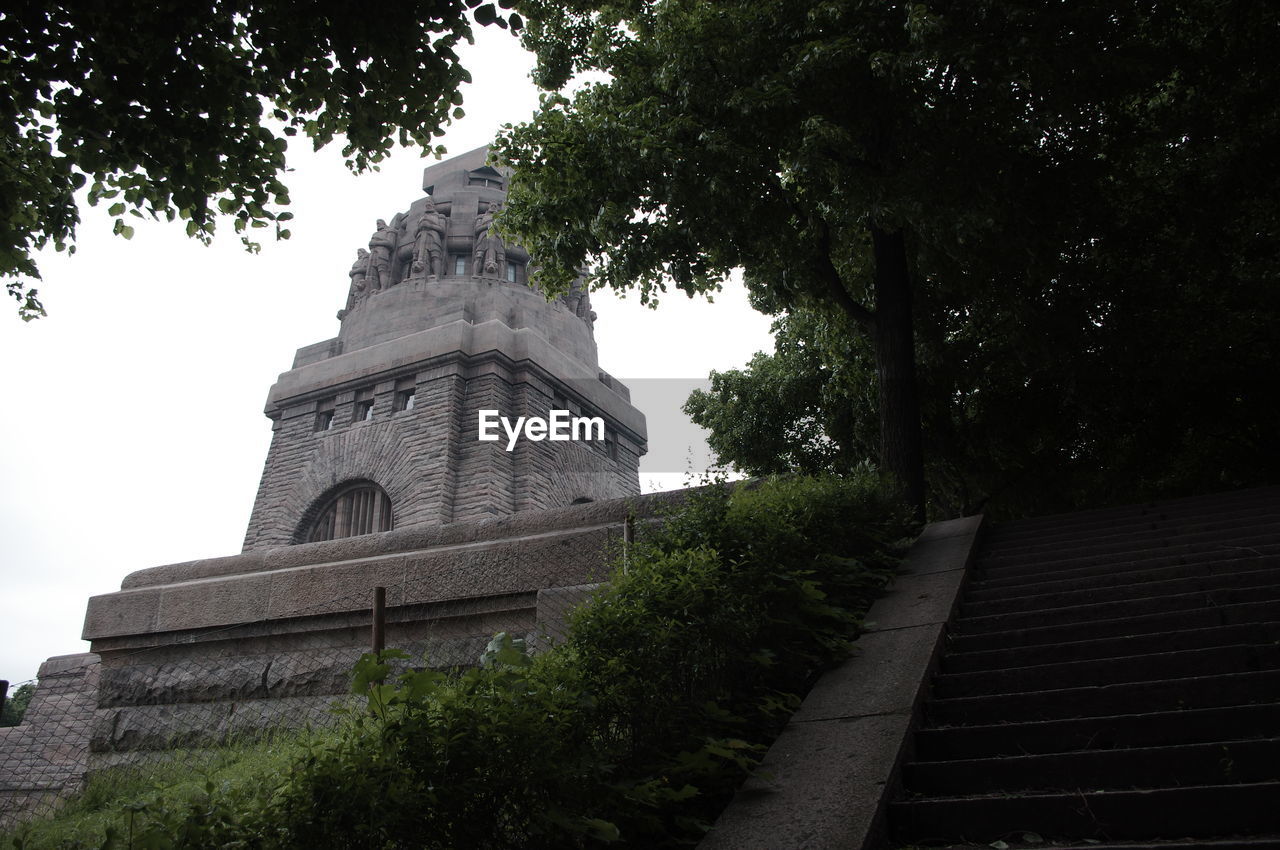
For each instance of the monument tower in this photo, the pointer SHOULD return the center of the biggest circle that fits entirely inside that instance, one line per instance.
(378, 427)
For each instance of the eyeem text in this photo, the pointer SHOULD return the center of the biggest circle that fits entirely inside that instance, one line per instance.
(561, 425)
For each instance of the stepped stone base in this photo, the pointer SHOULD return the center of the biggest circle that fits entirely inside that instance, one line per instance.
(222, 650)
(202, 652)
(46, 756)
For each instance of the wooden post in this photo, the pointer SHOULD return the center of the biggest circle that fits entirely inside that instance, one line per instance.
(628, 539)
(379, 619)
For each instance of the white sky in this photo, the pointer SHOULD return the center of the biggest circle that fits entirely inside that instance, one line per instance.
(132, 432)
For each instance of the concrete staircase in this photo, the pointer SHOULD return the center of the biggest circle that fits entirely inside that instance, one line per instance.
(1112, 679)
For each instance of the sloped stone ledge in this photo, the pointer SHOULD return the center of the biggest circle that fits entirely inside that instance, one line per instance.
(833, 768)
(523, 553)
(419, 539)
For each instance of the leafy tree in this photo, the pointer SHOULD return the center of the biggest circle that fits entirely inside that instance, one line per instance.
(930, 166)
(16, 704)
(181, 110)
(1142, 369)
(794, 410)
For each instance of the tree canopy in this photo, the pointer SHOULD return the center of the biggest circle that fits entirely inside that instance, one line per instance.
(182, 110)
(1035, 205)
(15, 706)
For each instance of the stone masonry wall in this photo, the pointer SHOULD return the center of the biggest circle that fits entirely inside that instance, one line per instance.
(201, 653)
(47, 755)
(428, 459)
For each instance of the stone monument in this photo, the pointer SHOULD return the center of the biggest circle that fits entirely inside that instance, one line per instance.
(379, 475)
(440, 323)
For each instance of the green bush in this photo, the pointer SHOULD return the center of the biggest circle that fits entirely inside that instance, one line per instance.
(699, 652)
(493, 757)
(634, 730)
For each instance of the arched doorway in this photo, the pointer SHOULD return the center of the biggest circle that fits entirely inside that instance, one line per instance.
(348, 510)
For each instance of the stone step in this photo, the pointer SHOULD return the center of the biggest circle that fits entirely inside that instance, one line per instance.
(1137, 535)
(1257, 541)
(979, 590)
(1112, 647)
(1155, 603)
(1203, 560)
(1135, 668)
(1122, 626)
(1110, 676)
(1217, 504)
(1093, 701)
(1140, 517)
(1139, 589)
(1189, 726)
(1166, 813)
(1216, 763)
(1011, 536)
(1017, 841)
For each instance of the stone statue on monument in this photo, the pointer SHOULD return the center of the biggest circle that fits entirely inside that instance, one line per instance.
(490, 254)
(428, 245)
(382, 246)
(359, 275)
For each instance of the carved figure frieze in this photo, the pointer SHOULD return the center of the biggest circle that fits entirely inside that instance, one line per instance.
(416, 246)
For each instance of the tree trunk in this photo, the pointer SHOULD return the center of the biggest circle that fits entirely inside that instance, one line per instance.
(901, 452)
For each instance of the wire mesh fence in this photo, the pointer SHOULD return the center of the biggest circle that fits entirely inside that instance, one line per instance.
(138, 710)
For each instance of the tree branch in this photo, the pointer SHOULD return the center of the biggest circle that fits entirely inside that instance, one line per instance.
(826, 270)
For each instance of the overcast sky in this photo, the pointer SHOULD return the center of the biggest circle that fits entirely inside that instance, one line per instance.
(133, 433)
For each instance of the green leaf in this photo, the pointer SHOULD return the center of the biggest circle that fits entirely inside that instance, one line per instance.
(602, 830)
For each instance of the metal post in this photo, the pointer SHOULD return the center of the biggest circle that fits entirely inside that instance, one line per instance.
(4, 693)
(379, 619)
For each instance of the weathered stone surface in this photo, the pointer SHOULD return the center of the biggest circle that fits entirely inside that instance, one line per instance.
(46, 756)
(826, 782)
(946, 541)
(885, 675)
(531, 552)
(916, 600)
(131, 612)
(440, 306)
(197, 678)
(218, 602)
(485, 532)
